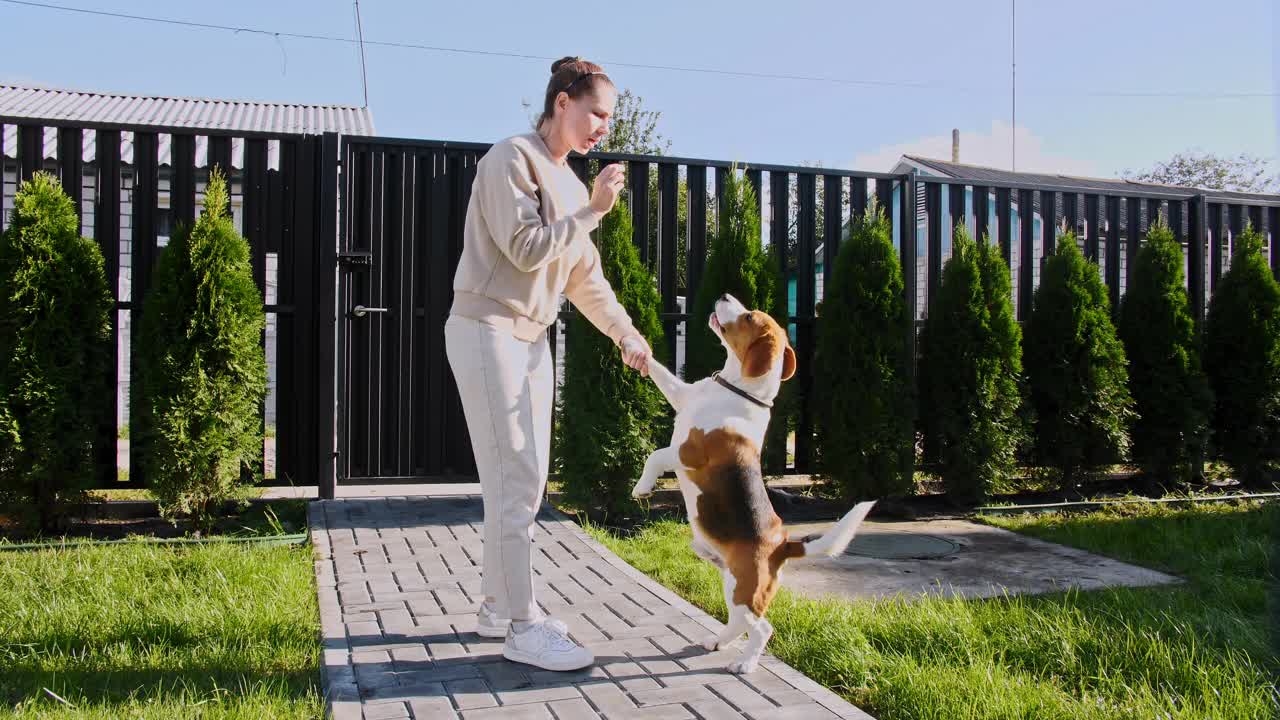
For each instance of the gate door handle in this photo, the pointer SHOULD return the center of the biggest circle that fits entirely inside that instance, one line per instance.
(361, 311)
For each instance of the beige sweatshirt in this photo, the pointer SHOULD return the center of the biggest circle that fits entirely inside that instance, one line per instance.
(526, 241)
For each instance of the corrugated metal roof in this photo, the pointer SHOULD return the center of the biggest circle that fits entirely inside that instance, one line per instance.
(980, 174)
(188, 113)
(194, 113)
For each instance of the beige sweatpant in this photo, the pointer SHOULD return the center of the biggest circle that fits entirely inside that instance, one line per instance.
(506, 387)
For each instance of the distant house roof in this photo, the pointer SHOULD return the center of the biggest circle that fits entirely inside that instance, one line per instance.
(193, 113)
(979, 174)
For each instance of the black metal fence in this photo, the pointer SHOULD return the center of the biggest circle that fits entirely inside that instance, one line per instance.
(388, 236)
(1109, 226)
(403, 210)
(132, 184)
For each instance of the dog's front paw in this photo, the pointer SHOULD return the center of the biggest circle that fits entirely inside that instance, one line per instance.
(711, 642)
(642, 490)
(742, 667)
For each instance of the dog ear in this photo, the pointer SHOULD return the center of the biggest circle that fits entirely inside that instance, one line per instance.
(758, 358)
(788, 363)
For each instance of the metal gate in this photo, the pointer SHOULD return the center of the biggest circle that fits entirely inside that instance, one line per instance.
(403, 206)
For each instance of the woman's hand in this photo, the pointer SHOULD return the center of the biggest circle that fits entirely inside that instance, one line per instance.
(636, 353)
(607, 186)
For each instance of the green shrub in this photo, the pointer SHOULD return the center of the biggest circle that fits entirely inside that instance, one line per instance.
(970, 365)
(202, 367)
(608, 412)
(1242, 360)
(737, 264)
(1170, 393)
(861, 364)
(55, 355)
(1076, 370)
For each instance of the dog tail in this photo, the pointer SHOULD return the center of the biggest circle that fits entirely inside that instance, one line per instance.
(833, 541)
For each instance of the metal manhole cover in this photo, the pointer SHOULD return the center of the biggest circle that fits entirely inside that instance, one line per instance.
(892, 545)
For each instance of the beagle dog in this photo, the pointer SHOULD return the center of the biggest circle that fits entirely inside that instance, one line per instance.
(715, 453)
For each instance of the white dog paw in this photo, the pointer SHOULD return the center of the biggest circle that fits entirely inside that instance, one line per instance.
(742, 667)
(642, 490)
(711, 642)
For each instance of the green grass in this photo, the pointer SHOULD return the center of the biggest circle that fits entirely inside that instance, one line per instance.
(138, 631)
(1199, 650)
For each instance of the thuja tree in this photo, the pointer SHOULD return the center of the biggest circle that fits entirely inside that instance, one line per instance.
(1242, 359)
(202, 366)
(55, 359)
(1170, 393)
(970, 367)
(1076, 370)
(608, 412)
(861, 363)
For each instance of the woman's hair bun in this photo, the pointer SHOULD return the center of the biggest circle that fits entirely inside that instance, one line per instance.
(555, 66)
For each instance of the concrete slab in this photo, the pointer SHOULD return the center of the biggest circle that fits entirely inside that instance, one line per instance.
(954, 557)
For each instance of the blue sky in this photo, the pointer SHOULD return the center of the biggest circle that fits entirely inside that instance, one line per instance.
(960, 49)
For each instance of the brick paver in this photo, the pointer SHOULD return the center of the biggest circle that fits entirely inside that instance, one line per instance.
(399, 584)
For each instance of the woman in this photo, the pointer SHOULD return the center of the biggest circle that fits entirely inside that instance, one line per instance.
(525, 243)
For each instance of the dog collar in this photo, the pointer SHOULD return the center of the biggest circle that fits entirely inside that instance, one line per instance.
(739, 391)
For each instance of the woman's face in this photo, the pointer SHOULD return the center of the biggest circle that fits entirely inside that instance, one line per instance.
(584, 121)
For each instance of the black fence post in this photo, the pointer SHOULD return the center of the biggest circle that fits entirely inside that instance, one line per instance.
(1048, 224)
(955, 206)
(30, 151)
(697, 250)
(1026, 252)
(326, 272)
(1004, 225)
(1273, 226)
(668, 197)
(1132, 239)
(71, 166)
(1113, 253)
(857, 197)
(981, 213)
(106, 219)
(1217, 245)
(638, 184)
(908, 237)
(832, 224)
(1092, 226)
(933, 225)
(143, 251)
(1196, 238)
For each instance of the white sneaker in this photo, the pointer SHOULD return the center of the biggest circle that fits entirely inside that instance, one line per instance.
(546, 644)
(489, 625)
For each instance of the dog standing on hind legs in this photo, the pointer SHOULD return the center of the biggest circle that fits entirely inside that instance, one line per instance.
(715, 453)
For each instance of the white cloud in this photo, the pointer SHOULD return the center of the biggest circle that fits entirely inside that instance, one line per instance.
(991, 149)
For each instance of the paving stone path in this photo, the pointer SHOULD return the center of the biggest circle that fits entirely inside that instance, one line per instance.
(399, 584)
